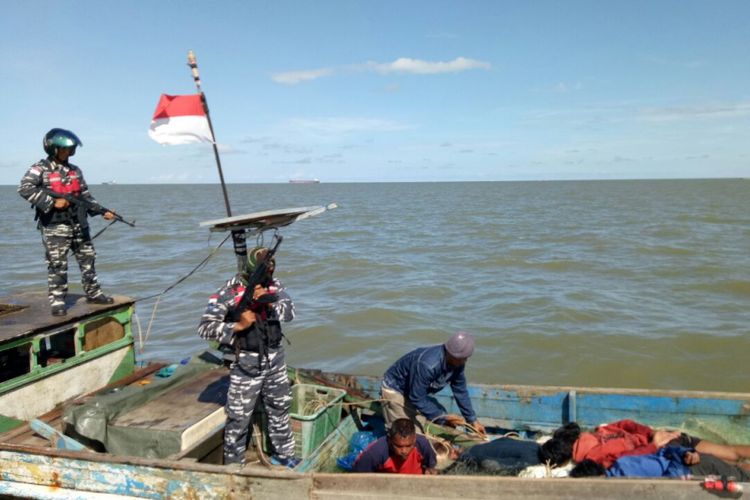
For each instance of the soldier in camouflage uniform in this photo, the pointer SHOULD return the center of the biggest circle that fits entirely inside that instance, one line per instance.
(259, 368)
(64, 225)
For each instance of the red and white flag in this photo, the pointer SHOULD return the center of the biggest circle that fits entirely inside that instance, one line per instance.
(180, 119)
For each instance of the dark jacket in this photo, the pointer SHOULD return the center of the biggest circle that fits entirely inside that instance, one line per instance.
(425, 371)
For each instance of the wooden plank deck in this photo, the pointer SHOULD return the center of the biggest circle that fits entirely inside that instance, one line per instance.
(200, 410)
(29, 313)
(24, 435)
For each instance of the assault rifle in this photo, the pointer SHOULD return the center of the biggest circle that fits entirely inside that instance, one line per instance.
(84, 203)
(259, 277)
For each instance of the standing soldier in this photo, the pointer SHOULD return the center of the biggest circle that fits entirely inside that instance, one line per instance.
(63, 224)
(259, 368)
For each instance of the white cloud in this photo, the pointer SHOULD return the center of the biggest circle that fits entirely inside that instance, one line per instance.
(400, 65)
(419, 67)
(295, 77)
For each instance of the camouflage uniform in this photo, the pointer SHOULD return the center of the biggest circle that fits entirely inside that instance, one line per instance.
(62, 230)
(254, 372)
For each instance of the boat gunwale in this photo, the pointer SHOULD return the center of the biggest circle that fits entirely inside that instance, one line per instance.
(383, 485)
(533, 389)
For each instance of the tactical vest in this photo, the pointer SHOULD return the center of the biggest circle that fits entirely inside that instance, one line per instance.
(63, 184)
(262, 335)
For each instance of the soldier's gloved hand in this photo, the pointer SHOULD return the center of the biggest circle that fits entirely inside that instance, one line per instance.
(61, 203)
(247, 318)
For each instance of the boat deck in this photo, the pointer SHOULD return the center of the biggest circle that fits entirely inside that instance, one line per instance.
(25, 314)
(25, 435)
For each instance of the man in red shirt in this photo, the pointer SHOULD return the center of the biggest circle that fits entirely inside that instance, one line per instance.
(627, 437)
(401, 451)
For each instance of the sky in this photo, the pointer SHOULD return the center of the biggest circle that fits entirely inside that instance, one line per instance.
(382, 90)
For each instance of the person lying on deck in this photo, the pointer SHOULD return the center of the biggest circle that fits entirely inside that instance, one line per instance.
(670, 461)
(508, 456)
(401, 451)
(626, 437)
(410, 382)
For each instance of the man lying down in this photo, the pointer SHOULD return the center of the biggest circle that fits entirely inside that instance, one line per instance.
(507, 456)
(620, 449)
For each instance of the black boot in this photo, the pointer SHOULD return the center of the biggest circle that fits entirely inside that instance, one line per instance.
(100, 299)
(59, 310)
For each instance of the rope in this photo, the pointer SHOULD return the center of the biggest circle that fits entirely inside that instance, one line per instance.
(158, 296)
(432, 438)
(314, 406)
(257, 441)
(104, 229)
(150, 322)
(193, 271)
(140, 331)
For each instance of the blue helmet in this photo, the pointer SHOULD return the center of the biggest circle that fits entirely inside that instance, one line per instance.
(60, 138)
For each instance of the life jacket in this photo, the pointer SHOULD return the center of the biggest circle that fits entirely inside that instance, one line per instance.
(60, 186)
(68, 184)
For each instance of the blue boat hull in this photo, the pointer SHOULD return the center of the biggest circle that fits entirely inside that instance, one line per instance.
(68, 474)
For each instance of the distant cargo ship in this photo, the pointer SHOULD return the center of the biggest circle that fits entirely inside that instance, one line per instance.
(304, 181)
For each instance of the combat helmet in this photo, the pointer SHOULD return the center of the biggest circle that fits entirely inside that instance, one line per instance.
(60, 138)
(255, 257)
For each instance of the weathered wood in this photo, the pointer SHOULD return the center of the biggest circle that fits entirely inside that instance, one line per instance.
(55, 437)
(532, 407)
(190, 412)
(42, 395)
(24, 434)
(544, 408)
(159, 479)
(149, 479)
(398, 487)
(33, 314)
(195, 399)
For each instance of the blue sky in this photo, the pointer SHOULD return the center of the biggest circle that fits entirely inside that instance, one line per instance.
(355, 91)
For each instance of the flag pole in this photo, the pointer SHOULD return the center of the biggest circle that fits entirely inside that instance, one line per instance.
(238, 236)
(197, 78)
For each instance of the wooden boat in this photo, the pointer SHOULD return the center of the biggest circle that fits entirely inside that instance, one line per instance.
(161, 425)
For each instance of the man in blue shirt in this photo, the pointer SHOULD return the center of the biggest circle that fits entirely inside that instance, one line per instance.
(669, 461)
(410, 381)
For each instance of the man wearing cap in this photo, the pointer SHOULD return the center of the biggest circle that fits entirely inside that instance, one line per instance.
(409, 382)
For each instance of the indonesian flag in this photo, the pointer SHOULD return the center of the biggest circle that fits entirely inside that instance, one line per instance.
(180, 119)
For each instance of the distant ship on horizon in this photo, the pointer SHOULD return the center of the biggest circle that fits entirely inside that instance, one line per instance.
(304, 181)
(109, 183)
